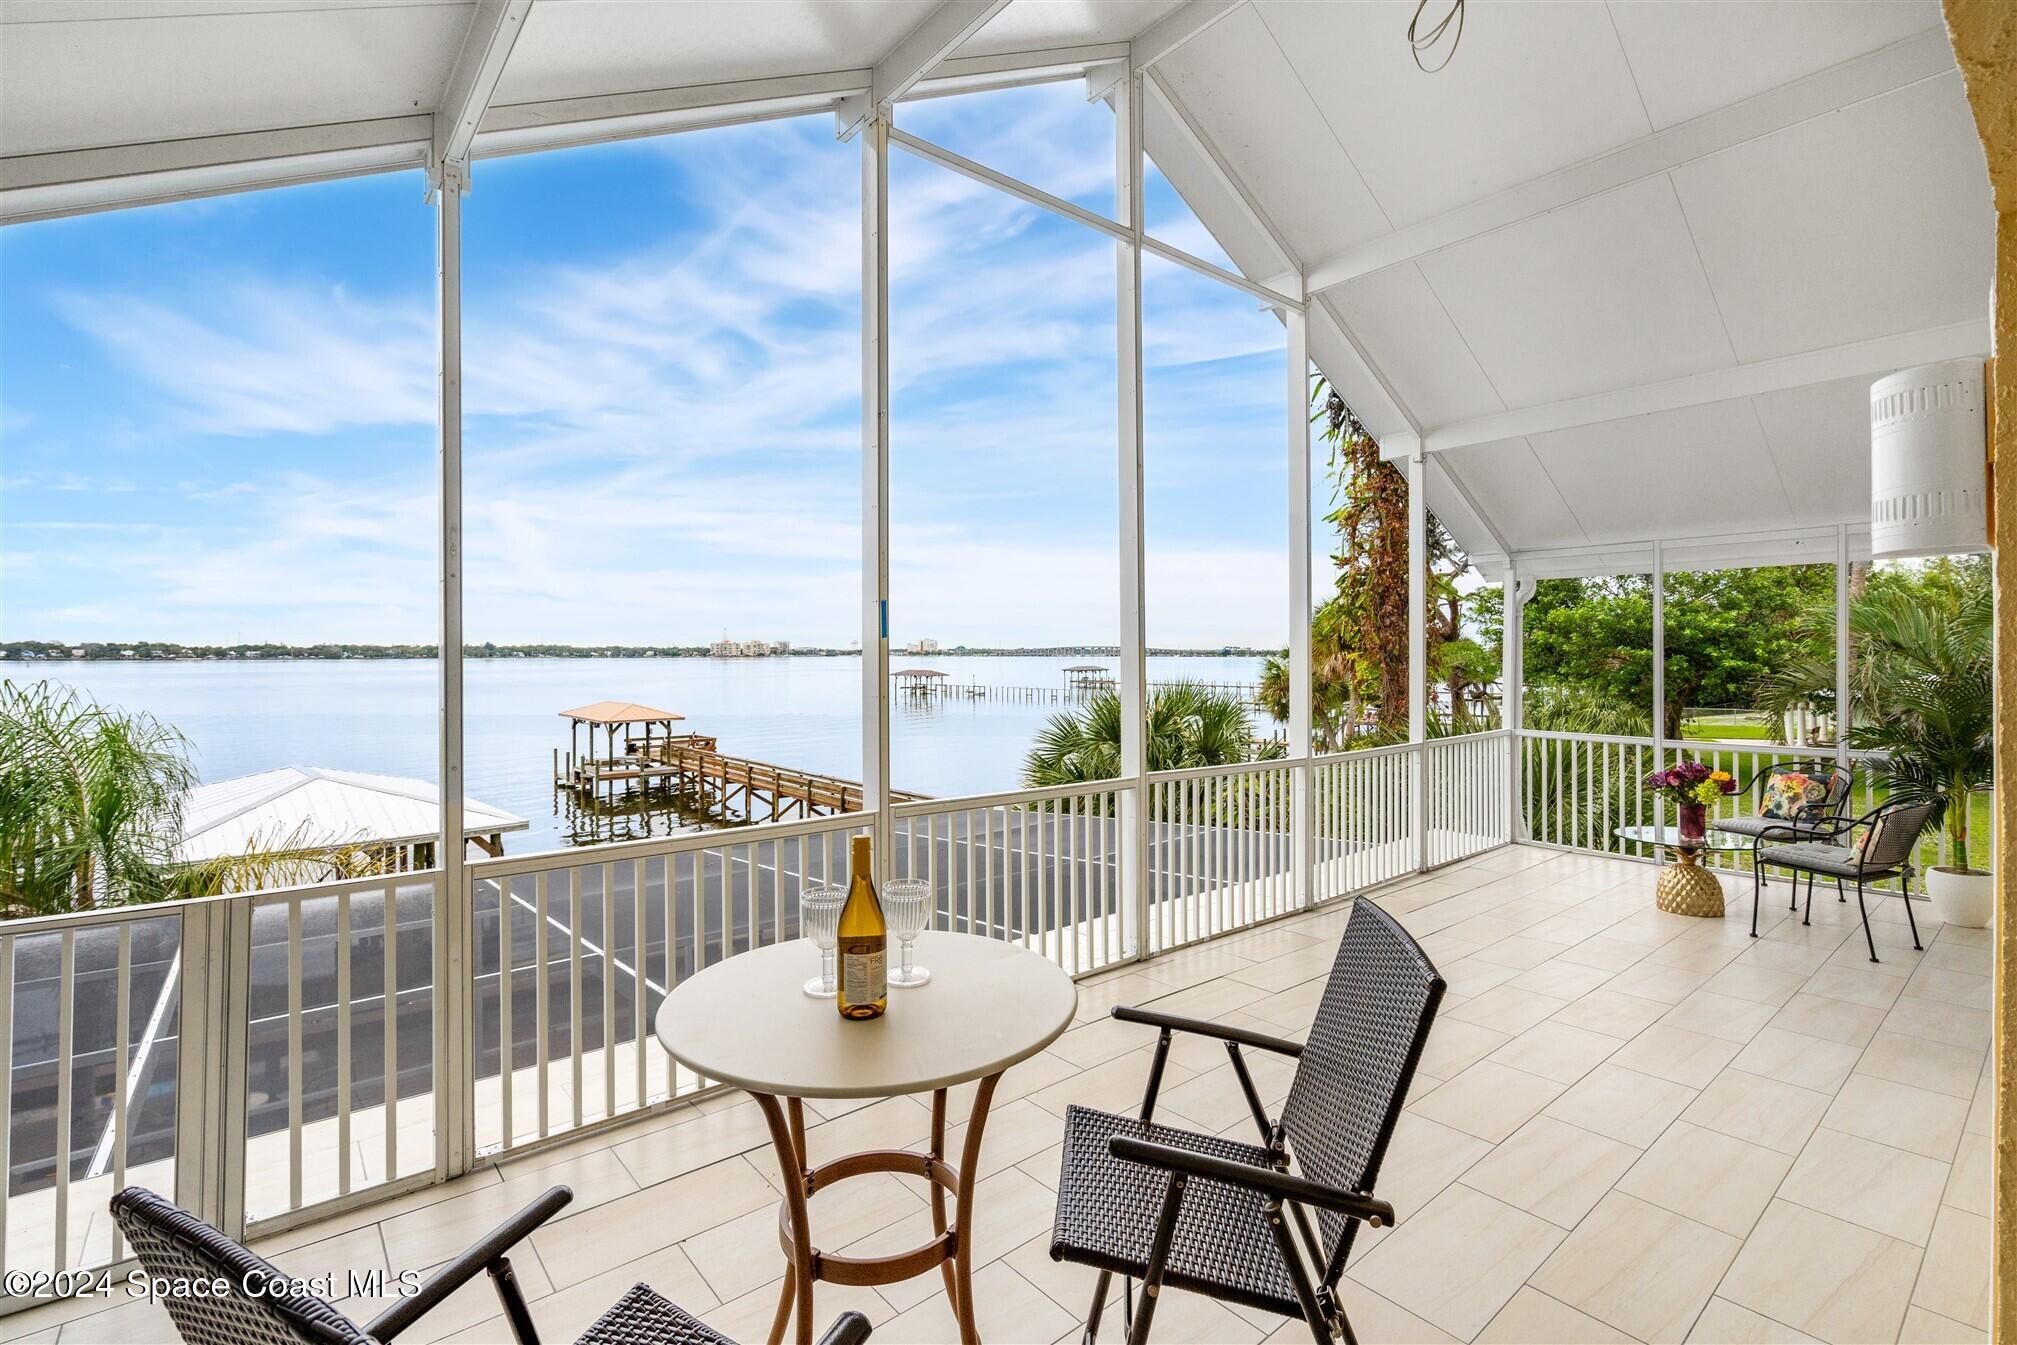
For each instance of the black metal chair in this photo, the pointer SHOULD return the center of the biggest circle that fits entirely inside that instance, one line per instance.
(1213, 1215)
(1886, 852)
(264, 1306)
(1809, 820)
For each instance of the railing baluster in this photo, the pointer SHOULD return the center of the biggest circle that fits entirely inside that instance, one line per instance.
(389, 1000)
(505, 1036)
(122, 1027)
(541, 1008)
(66, 995)
(294, 1070)
(609, 985)
(575, 893)
(639, 1008)
(6, 1084)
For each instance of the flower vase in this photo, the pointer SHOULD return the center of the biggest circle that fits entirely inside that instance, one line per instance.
(1693, 823)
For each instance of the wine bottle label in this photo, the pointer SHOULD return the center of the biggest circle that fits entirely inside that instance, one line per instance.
(863, 977)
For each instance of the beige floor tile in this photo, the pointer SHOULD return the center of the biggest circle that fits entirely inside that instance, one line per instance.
(1900, 1115)
(1953, 1070)
(1184, 1319)
(1832, 1279)
(1459, 1261)
(566, 1313)
(1855, 985)
(748, 1317)
(1677, 1054)
(1640, 1268)
(1552, 1169)
(1758, 1110)
(130, 1320)
(1508, 1010)
(744, 1253)
(1488, 1100)
(1708, 1177)
(1612, 1013)
(1650, 980)
(1612, 955)
(1010, 1208)
(1014, 1132)
(1423, 1157)
(1373, 1318)
(1724, 1323)
(1829, 1019)
(1724, 1016)
(1968, 1186)
(1007, 1308)
(706, 1137)
(1885, 1189)
(1472, 976)
(574, 1248)
(1930, 1328)
(1533, 1318)
(1561, 978)
(432, 1233)
(1760, 985)
(1622, 1104)
(1556, 1051)
(1114, 1086)
(1965, 989)
(1790, 1057)
(1954, 1281)
(1455, 1046)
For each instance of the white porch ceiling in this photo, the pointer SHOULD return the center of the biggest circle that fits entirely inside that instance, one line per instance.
(1626, 269)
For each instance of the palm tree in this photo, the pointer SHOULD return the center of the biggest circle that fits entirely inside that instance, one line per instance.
(1934, 663)
(90, 801)
(1188, 725)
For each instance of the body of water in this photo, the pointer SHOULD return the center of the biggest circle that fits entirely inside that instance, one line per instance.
(379, 715)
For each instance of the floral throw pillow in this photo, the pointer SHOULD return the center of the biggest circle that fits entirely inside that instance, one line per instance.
(1787, 792)
(1872, 836)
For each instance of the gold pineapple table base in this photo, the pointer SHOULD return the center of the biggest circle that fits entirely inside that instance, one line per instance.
(1686, 888)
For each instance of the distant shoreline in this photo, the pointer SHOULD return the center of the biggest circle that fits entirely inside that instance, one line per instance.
(43, 651)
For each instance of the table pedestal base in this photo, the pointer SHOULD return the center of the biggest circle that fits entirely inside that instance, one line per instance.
(949, 1249)
(1686, 888)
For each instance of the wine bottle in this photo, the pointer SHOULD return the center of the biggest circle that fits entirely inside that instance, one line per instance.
(863, 942)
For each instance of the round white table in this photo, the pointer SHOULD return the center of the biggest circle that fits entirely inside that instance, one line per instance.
(746, 1021)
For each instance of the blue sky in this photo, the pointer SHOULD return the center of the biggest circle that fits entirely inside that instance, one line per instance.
(216, 417)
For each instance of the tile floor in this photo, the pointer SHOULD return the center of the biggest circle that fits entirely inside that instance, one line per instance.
(1628, 1126)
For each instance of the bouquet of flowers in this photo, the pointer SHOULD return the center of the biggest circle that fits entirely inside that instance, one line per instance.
(1691, 783)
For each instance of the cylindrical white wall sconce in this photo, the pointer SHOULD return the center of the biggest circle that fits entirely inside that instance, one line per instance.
(1929, 489)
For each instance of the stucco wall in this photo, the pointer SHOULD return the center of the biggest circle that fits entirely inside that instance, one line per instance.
(1984, 34)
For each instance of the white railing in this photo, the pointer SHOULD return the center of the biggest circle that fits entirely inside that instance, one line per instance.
(1469, 795)
(1362, 836)
(593, 940)
(272, 1057)
(1039, 867)
(1578, 789)
(232, 1051)
(1220, 850)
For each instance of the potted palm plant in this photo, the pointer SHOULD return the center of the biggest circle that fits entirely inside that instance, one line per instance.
(1933, 667)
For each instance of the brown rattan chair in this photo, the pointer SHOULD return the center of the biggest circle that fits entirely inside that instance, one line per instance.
(261, 1305)
(1214, 1216)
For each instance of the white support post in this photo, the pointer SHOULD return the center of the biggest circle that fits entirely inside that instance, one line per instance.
(1844, 710)
(1418, 655)
(1659, 680)
(875, 483)
(1133, 671)
(1513, 694)
(454, 913)
(1301, 814)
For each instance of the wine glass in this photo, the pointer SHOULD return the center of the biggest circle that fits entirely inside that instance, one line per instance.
(819, 920)
(906, 904)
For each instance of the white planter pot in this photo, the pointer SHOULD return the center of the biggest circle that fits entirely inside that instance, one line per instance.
(1961, 898)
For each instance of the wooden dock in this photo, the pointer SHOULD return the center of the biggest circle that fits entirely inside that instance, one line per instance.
(703, 780)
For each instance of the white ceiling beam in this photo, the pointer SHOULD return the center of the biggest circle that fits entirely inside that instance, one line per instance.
(465, 97)
(1858, 359)
(1228, 181)
(1923, 56)
(922, 50)
(1174, 29)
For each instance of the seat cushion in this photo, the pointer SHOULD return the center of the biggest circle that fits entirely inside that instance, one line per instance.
(1758, 826)
(641, 1317)
(1107, 1208)
(1819, 857)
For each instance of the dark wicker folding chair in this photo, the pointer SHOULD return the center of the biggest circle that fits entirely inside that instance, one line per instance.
(1811, 820)
(264, 1306)
(1213, 1215)
(1896, 828)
